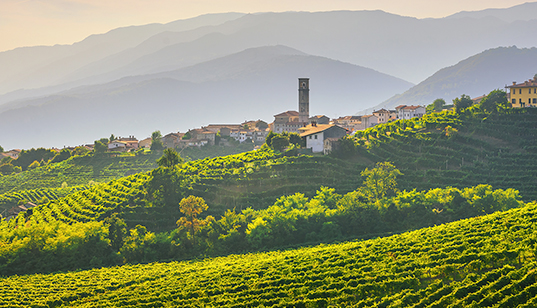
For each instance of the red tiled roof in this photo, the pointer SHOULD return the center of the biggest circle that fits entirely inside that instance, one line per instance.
(525, 84)
(317, 129)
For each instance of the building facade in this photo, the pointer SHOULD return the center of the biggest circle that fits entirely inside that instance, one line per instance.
(523, 94)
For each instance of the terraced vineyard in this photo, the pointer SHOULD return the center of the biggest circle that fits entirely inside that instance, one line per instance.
(448, 149)
(487, 261)
(78, 170)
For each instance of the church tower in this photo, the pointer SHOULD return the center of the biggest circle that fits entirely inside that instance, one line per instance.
(303, 99)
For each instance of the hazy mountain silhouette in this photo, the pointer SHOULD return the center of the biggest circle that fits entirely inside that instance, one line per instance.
(33, 67)
(525, 11)
(255, 83)
(405, 47)
(475, 76)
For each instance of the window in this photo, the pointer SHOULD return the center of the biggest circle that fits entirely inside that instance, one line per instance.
(519, 91)
(529, 91)
(513, 101)
(315, 136)
(535, 100)
(310, 137)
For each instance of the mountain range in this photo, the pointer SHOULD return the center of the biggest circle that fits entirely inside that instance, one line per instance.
(478, 75)
(233, 67)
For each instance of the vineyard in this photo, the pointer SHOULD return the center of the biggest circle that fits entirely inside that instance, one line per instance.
(78, 170)
(459, 150)
(487, 261)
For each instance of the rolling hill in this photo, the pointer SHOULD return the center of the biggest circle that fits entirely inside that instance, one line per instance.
(479, 262)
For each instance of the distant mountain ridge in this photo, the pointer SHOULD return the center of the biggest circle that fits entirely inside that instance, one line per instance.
(406, 47)
(475, 76)
(255, 83)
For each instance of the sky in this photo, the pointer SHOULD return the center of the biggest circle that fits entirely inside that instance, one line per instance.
(50, 22)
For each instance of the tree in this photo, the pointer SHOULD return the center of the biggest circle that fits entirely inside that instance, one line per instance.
(268, 139)
(494, 101)
(1, 149)
(169, 158)
(436, 106)
(99, 146)
(34, 165)
(294, 138)
(462, 103)
(191, 207)
(79, 151)
(380, 181)
(112, 137)
(63, 155)
(279, 142)
(156, 141)
(117, 230)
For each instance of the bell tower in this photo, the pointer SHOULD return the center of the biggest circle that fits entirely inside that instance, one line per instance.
(303, 99)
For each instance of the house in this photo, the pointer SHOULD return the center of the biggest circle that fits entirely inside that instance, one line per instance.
(383, 116)
(405, 112)
(287, 122)
(13, 153)
(146, 143)
(117, 145)
(368, 121)
(203, 134)
(523, 94)
(350, 123)
(314, 135)
(319, 119)
(131, 142)
(224, 129)
(172, 140)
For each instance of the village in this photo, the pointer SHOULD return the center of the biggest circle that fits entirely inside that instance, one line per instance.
(319, 132)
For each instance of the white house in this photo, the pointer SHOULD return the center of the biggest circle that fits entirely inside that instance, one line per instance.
(314, 135)
(405, 112)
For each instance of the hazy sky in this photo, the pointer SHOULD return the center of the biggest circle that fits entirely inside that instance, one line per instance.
(49, 22)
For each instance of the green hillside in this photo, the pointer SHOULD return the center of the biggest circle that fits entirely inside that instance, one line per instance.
(79, 170)
(458, 149)
(487, 261)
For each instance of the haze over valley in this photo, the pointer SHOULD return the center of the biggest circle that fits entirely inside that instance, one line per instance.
(232, 67)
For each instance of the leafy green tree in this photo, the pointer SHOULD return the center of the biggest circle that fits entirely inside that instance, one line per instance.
(494, 101)
(61, 156)
(1, 149)
(117, 230)
(99, 146)
(34, 165)
(436, 106)
(112, 138)
(268, 139)
(294, 138)
(169, 158)
(187, 136)
(462, 103)
(79, 151)
(156, 141)
(279, 142)
(27, 157)
(380, 181)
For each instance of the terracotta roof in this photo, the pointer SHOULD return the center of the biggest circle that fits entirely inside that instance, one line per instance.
(381, 111)
(408, 107)
(525, 84)
(317, 129)
(289, 113)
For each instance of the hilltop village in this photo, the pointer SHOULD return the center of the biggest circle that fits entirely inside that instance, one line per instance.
(319, 133)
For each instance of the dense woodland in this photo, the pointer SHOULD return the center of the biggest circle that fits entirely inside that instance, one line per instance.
(96, 210)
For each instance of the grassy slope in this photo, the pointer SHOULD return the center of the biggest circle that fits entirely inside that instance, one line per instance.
(483, 261)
